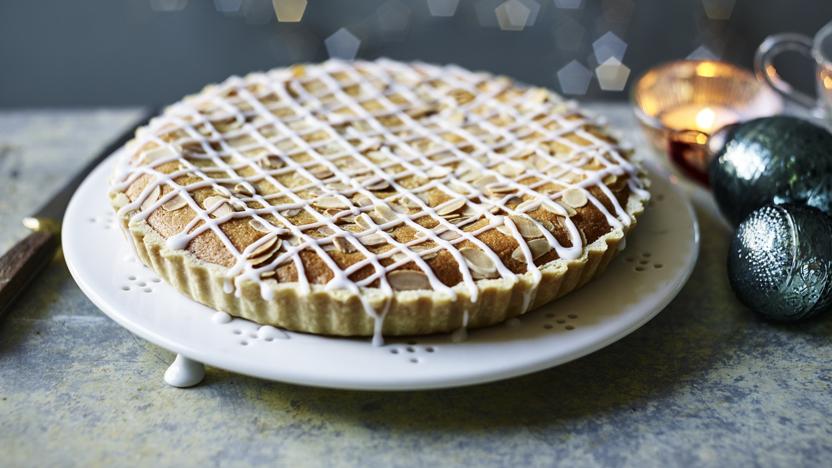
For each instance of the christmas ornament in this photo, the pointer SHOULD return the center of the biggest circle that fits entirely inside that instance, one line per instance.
(780, 262)
(773, 159)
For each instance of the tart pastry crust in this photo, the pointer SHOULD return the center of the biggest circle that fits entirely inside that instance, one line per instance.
(376, 198)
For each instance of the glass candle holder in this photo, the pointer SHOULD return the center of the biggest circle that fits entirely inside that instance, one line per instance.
(681, 105)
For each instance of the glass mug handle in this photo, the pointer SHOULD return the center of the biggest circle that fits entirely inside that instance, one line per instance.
(767, 73)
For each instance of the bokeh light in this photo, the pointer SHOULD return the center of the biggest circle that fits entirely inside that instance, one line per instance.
(574, 78)
(609, 45)
(442, 7)
(612, 75)
(289, 11)
(534, 9)
(512, 15)
(342, 44)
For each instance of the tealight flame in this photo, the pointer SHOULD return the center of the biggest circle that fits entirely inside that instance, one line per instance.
(706, 69)
(705, 119)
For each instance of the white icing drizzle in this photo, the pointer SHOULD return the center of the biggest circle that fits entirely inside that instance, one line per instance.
(315, 120)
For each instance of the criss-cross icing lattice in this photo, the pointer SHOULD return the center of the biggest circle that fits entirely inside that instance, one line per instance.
(386, 164)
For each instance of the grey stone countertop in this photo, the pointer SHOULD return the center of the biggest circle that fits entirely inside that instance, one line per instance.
(704, 383)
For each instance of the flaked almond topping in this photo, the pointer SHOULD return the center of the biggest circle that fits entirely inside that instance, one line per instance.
(498, 189)
(610, 179)
(408, 202)
(330, 202)
(222, 191)
(321, 172)
(484, 181)
(364, 221)
(243, 189)
(537, 247)
(575, 198)
(290, 213)
(269, 246)
(237, 204)
(262, 259)
(469, 176)
(385, 213)
(451, 207)
(480, 264)
(455, 117)
(449, 235)
(152, 197)
(510, 169)
(527, 228)
(268, 274)
(380, 185)
(541, 163)
(194, 147)
(343, 245)
(459, 187)
(259, 226)
(226, 124)
(337, 186)
(420, 111)
(175, 203)
(377, 156)
(408, 280)
(218, 207)
(528, 205)
(271, 161)
(326, 230)
(372, 240)
(400, 257)
(120, 200)
(437, 172)
(371, 144)
(537, 96)
(363, 200)
(423, 251)
(558, 208)
(463, 220)
(149, 156)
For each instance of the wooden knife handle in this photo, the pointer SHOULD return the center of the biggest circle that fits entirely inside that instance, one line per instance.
(20, 265)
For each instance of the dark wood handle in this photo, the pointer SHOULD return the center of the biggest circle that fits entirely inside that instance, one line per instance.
(22, 263)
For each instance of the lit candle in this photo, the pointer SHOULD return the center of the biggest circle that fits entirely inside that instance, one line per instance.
(706, 119)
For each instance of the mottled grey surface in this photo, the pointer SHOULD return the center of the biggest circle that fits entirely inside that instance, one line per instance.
(704, 383)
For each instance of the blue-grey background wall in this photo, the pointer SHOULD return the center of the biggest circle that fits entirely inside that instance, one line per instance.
(56, 53)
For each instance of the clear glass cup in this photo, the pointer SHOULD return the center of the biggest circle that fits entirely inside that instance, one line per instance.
(818, 49)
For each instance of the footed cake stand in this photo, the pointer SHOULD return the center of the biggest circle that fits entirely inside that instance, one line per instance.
(640, 282)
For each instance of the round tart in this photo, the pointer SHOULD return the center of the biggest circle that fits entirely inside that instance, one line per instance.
(370, 198)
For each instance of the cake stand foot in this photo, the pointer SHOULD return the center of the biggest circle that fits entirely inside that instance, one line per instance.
(184, 372)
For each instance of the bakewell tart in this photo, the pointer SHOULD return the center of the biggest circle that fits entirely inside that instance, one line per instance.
(376, 198)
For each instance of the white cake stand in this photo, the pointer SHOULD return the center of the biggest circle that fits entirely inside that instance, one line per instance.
(638, 284)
